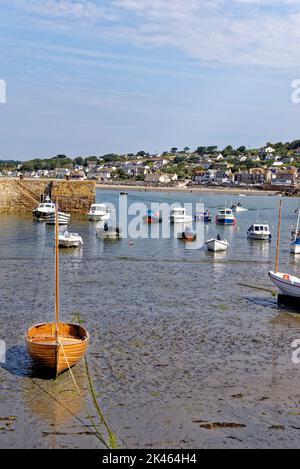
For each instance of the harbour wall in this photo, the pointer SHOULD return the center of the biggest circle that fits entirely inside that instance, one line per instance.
(23, 195)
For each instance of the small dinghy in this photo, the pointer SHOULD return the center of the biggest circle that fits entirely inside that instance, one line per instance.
(188, 235)
(55, 347)
(63, 218)
(69, 240)
(217, 244)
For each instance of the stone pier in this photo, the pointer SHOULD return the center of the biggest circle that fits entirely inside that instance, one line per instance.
(23, 195)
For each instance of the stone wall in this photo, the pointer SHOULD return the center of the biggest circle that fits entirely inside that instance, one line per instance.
(24, 195)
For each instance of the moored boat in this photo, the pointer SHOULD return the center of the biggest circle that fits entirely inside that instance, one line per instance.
(295, 243)
(178, 215)
(260, 232)
(204, 216)
(188, 235)
(225, 216)
(43, 209)
(69, 240)
(62, 218)
(287, 284)
(238, 208)
(217, 244)
(56, 346)
(98, 212)
(108, 231)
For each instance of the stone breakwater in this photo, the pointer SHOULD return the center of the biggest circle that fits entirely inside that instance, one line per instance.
(23, 195)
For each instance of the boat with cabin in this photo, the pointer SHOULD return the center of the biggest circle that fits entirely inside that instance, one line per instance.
(43, 209)
(225, 216)
(98, 212)
(178, 215)
(204, 216)
(260, 232)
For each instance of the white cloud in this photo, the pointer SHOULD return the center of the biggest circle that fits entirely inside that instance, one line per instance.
(245, 32)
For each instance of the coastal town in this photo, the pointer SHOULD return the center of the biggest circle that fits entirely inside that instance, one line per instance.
(271, 167)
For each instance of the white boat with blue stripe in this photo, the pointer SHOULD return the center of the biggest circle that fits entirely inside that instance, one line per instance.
(225, 216)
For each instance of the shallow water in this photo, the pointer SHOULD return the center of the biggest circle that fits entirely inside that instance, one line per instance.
(175, 341)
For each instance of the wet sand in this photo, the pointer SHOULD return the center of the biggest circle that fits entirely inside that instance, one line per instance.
(181, 356)
(192, 189)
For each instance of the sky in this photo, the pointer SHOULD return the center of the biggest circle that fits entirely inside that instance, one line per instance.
(89, 77)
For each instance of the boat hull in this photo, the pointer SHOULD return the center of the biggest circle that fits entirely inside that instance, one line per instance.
(225, 221)
(181, 219)
(52, 356)
(295, 248)
(217, 245)
(259, 236)
(287, 285)
(69, 244)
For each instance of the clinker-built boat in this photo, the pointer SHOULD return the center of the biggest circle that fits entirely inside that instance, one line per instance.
(56, 347)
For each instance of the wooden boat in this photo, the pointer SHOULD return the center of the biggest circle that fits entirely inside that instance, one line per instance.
(56, 346)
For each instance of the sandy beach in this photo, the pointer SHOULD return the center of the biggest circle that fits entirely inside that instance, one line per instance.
(193, 189)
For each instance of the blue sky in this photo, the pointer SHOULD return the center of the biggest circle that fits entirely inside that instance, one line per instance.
(99, 76)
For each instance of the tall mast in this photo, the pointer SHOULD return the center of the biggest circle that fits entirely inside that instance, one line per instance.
(278, 238)
(56, 269)
(298, 224)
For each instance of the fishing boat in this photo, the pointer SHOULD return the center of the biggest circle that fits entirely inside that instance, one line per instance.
(63, 218)
(69, 240)
(217, 244)
(204, 216)
(178, 215)
(152, 217)
(225, 216)
(57, 346)
(238, 208)
(98, 212)
(287, 285)
(295, 244)
(260, 232)
(43, 209)
(108, 231)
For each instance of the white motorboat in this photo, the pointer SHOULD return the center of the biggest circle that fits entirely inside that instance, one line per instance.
(225, 217)
(63, 218)
(69, 240)
(98, 212)
(260, 232)
(287, 285)
(238, 208)
(108, 232)
(217, 244)
(43, 209)
(178, 215)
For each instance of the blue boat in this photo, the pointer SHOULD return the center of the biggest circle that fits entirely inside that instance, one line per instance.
(204, 216)
(225, 217)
